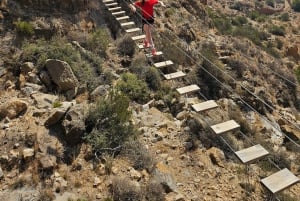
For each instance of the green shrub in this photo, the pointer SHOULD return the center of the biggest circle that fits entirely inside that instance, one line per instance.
(270, 3)
(277, 30)
(284, 17)
(153, 78)
(85, 68)
(296, 5)
(169, 12)
(239, 21)
(126, 46)
(134, 88)
(98, 41)
(298, 73)
(255, 15)
(57, 104)
(251, 33)
(154, 192)
(24, 28)
(109, 123)
(223, 24)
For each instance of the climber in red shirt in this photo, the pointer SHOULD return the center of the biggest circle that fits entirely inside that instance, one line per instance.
(146, 7)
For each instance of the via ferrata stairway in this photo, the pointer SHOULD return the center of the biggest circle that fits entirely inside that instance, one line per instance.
(275, 182)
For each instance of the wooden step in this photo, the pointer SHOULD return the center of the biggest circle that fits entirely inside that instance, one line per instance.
(122, 18)
(174, 75)
(114, 9)
(250, 154)
(188, 89)
(111, 4)
(127, 24)
(138, 37)
(163, 64)
(107, 1)
(158, 53)
(225, 127)
(118, 13)
(140, 46)
(279, 180)
(207, 105)
(132, 30)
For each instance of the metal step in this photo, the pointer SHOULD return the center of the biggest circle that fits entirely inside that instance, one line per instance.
(132, 30)
(188, 89)
(122, 18)
(107, 1)
(114, 9)
(127, 24)
(174, 75)
(138, 37)
(163, 64)
(225, 127)
(207, 105)
(118, 13)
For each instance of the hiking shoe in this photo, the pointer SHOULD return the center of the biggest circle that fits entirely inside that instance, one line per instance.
(153, 52)
(146, 44)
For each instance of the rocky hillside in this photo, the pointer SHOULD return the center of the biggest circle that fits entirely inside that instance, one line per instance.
(84, 115)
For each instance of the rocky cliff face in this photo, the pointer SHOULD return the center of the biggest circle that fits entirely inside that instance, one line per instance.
(57, 58)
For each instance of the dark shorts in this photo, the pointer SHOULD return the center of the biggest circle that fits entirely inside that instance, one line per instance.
(148, 21)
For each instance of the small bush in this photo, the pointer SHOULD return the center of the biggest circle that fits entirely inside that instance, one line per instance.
(57, 104)
(284, 17)
(139, 66)
(126, 46)
(153, 78)
(298, 73)
(296, 5)
(109, 124)
(251, 33)
(138, 155)
(169, 12)
(271, 3)
(24, 28)
(277, 30)
(98, 41)
(154, 192)
(134, 88)
(255, 15)
(239, 21)
(124, 190)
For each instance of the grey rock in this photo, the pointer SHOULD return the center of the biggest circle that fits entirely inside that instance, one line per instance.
(27, 67)
(1, 173)
(182, 115)
(166, 180)
(101, 90)
(58, 113)
(13, 108)
(61, 74)
(33, 78)
(47, 162)
(45, 78)
(28, 153)
(44, 100)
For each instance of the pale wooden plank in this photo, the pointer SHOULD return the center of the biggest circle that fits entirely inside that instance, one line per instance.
(158, 53)
(140, 46)
(252, 153)
(138, 37)
(163, 64)
(118, 13)
(132, 30)
(114, 9)
(280, 180)
(111, 4)
(122, 18)
(127, 24)
(188, 89)
(225, 127)
(207, 105)
(174, 75)
(107, 1)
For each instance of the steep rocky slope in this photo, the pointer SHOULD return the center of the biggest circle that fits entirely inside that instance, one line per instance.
(59, 57)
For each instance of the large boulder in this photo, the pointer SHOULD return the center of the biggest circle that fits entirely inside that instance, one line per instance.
(44, 101)
(61, 74)
(13, 108)
(74, 124)
(58, 113)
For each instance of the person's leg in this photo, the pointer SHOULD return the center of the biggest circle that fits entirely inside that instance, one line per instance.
(147, 33)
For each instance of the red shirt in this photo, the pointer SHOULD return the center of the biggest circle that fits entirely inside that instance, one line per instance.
(147, 8)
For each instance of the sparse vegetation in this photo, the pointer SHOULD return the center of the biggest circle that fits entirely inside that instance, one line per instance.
(126, 46)
(134, 88)
(98, 41)
(284, 17)
(108, 123)
(298, 74)
(154, 192)
(296, 5)
(57, 104)
(277, 30)
(24, 28)
(59, 48)
(124, 190)
(138, 155)
(255, 15)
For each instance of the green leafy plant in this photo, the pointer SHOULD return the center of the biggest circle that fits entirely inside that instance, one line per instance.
(284, 17)
(277, 30)
(57, 104)
(24, 28)
(109, 123)
(296, 5)
(134, 88)
(98, 41)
